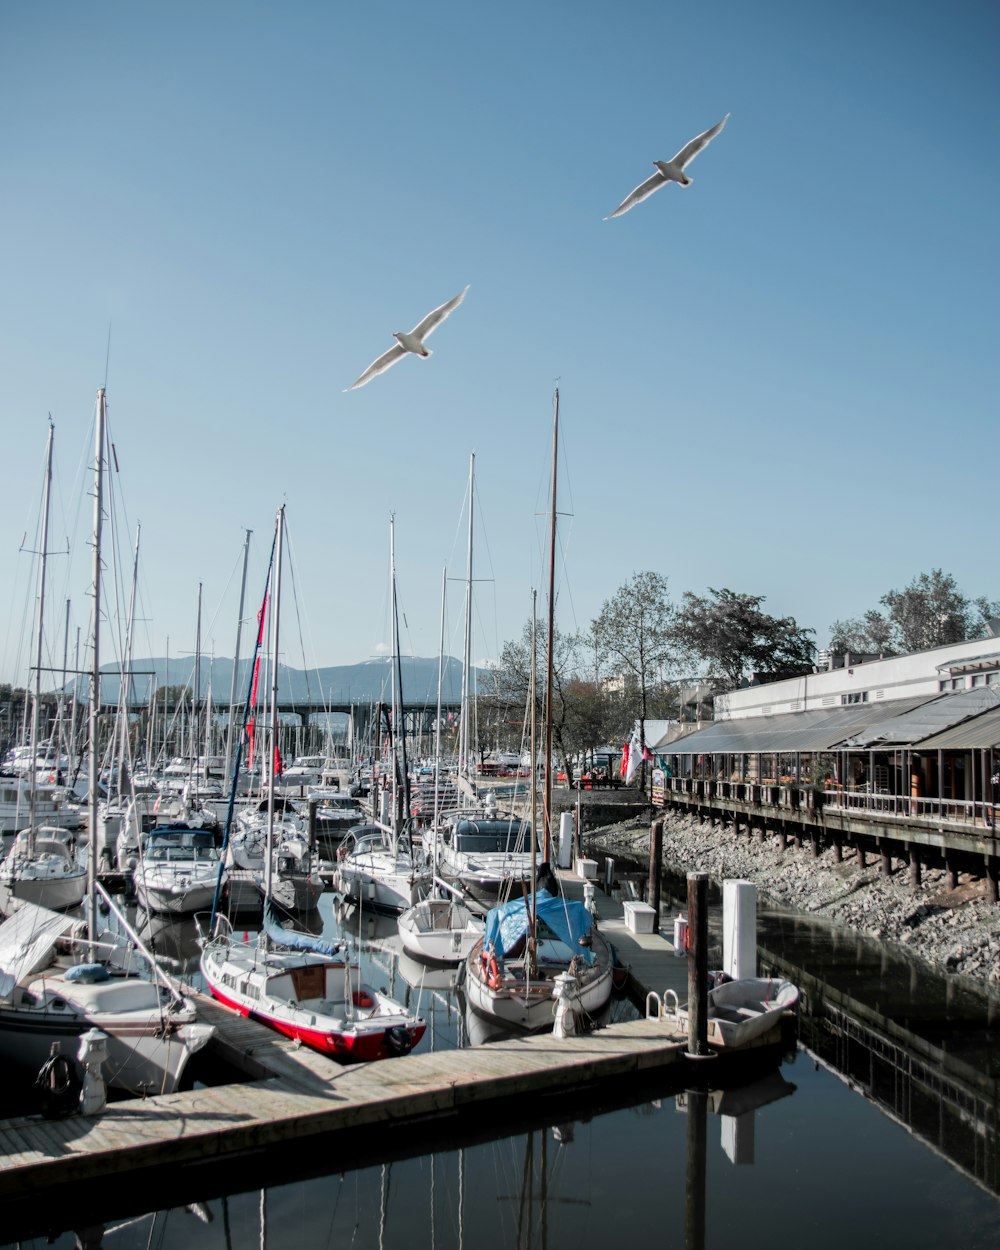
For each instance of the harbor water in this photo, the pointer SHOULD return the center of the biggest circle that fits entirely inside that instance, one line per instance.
(877, 1128)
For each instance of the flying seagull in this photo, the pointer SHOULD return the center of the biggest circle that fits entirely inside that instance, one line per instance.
(669, 171)
(412, 342)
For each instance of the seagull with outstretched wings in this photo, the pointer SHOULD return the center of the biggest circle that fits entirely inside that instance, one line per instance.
(412, 342)
(669, 171)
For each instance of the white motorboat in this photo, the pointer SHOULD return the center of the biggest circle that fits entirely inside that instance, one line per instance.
(740, 1011)
(178, 870)
(510, 974)
(487, 853)
(41, 867)
(376, 868)
(440, 929)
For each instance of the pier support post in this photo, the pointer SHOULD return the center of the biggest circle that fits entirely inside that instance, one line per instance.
(885, 860)
(655, 867)
(782, 838)
(697, 883)
(814, 841)
(862, 857)
(951, 872)
(993, 879)
(838, 849)
(761, 831)
(914, 868)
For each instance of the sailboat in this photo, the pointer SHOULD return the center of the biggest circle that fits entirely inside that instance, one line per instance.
(41, 866)
(297, 984)
(534, 944)
(376, 863)
(60, 977)
(440, 928)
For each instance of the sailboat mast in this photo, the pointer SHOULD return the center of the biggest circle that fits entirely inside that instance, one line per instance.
(437, 719)
(464, 765)
(547, 813)
(236, 657)
(93, 759)
(534, 780)
(273, 742)
(40, 644)
(196, 696)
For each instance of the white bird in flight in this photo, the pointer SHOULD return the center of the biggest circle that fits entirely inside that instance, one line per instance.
(412, 342)
(669, 171)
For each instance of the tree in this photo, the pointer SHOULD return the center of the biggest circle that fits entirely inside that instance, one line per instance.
(512, 683)
(930, 612)
(730, 636)
(632, 633)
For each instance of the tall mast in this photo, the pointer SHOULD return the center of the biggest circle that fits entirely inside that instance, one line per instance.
(236, 657)
(196, 696)
(547, 813)
(93, 759)
(464, 765)
(437, 719)
(40, 644)
(125, 682)
(534, 771)
(273, 741)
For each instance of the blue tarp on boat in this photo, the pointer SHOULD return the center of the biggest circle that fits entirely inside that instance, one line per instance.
(568, 921)
(292, 938)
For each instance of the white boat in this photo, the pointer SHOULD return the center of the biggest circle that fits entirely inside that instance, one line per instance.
(178, 870)
(377, 869)
(741, 1011)
(315, 997)
(55, 985)
(337, 812)
(306, 990)
(484, 852)
(296, 881)
(440, 929)
(41, 867)
(511, 979)
(51, 806)
(57, 982)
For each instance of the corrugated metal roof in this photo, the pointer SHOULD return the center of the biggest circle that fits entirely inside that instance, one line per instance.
(933, 717)
(817, 730)
(979, 731)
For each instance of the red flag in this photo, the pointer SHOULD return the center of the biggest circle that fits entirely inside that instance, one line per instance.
(250, 739)
(624, 760)
(277, 761)
(261, 615)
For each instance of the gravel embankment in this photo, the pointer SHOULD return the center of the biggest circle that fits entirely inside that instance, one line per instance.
(954, 931)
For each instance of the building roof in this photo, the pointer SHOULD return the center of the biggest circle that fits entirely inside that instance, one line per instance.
(817, 730)
(977, 731)
(932, 717)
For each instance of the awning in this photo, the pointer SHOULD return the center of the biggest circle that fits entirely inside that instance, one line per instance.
(933, 717)
(821, 729)
(980, 731)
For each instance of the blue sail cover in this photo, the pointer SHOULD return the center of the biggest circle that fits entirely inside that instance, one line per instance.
(292, 938)
(567, 921)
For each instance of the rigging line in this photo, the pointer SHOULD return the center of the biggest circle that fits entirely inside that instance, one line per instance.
(107, 358)
(298, 617)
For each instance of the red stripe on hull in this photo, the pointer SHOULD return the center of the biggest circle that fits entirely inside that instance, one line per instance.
(348, 1047)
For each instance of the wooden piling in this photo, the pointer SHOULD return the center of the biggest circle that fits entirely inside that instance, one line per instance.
(914, 867)
(697, 883)
(655, 867)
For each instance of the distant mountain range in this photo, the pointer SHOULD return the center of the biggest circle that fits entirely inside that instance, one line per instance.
(367, 682)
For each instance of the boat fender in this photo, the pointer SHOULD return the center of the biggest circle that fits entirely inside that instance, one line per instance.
(59, 1086)
(398, 1040)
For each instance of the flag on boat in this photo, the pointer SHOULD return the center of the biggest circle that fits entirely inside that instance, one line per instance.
(624, 769)
(637, 753)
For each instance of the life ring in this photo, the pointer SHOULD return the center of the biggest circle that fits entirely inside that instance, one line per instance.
(494, 979)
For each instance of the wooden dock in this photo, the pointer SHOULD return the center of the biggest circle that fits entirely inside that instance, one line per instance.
(292, 1094)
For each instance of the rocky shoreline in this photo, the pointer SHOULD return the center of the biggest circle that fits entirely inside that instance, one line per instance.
(953, 931)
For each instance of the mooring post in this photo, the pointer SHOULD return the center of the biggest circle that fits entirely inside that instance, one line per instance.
(312, 821)
(655, 865)
(698, 964)
(694, 1189)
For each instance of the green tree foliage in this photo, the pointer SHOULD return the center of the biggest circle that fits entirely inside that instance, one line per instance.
(730, 636)
(930, 612)
(512, 684)
(632, 637)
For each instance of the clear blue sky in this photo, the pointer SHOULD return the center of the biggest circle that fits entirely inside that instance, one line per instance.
(782, 379)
